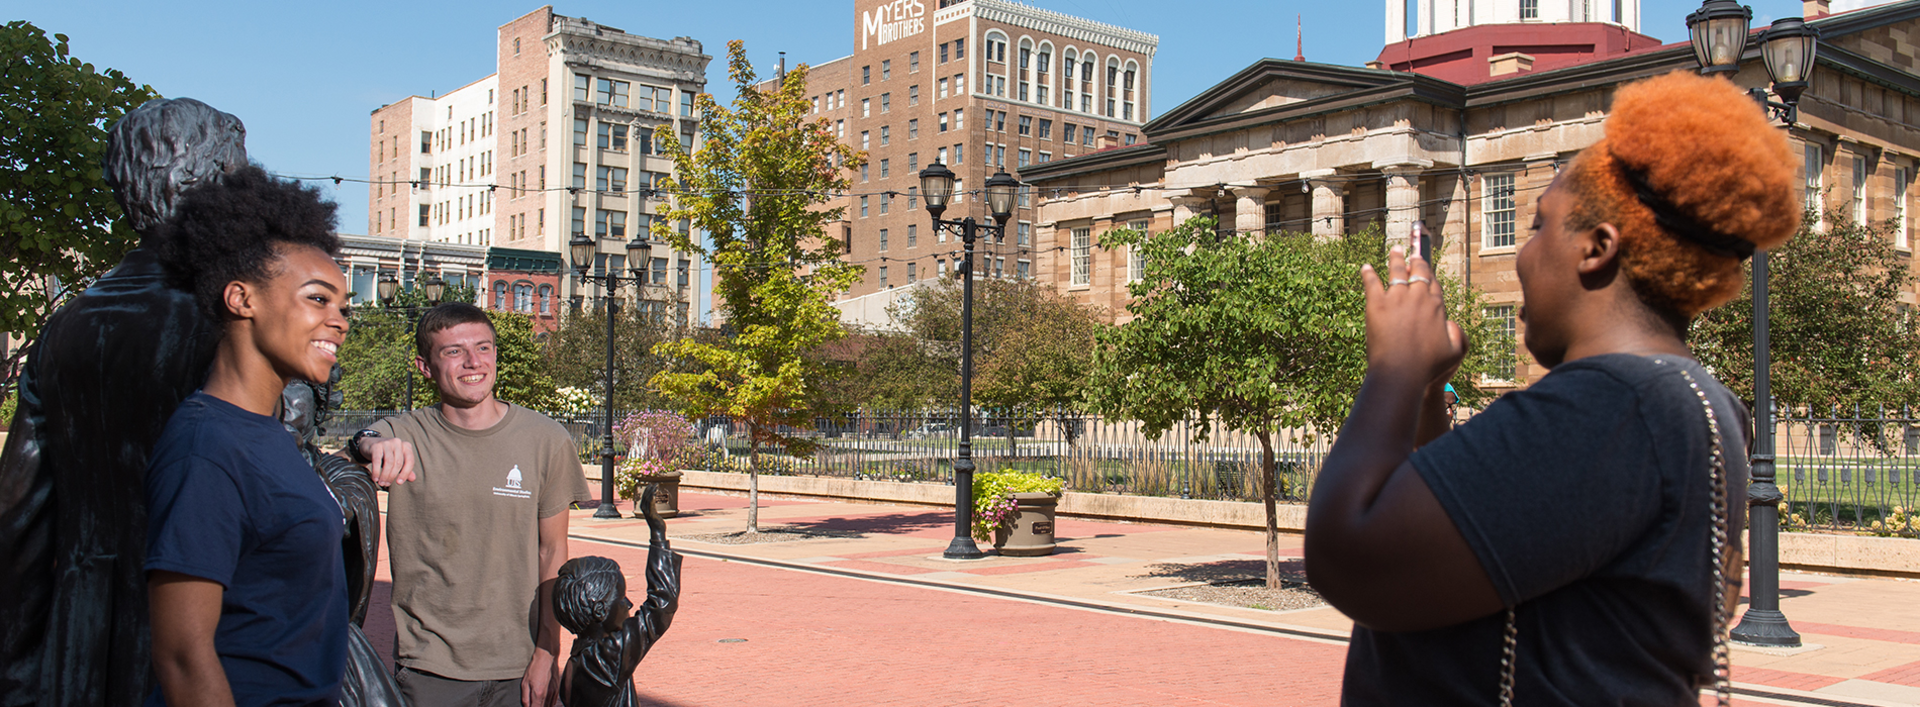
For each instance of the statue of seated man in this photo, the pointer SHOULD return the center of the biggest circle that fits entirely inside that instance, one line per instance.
(610, 636)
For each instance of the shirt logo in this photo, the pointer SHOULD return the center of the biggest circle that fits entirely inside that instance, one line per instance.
(512, 489)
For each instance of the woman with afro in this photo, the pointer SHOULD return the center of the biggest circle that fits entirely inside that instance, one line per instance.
(1571, 530)
(245, 576)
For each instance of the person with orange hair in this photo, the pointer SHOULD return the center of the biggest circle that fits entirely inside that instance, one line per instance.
(1577, 542)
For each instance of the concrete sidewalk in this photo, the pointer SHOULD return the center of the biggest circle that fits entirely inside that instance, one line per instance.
(1862, 634)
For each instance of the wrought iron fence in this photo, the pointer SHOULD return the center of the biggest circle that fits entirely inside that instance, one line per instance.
(1837, 472)
(1847, 472)
(1090, 454)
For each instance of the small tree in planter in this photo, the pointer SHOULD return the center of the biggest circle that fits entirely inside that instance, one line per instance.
(1015, 510)
(653, 439)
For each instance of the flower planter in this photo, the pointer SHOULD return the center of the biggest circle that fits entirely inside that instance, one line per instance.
(667, 499)
(1032, 532)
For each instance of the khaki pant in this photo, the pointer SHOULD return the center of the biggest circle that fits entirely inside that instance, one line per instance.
(423, 689)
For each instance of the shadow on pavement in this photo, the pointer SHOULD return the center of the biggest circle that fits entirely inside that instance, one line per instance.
(1223, 571)
(884, 524)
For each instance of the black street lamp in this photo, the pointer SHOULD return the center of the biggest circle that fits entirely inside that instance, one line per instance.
(1719, 30)
(936, 188)
(582, 250)
(388, 288)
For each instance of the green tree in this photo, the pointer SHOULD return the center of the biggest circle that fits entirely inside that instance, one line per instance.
(60, 227)
(377, 358)
(754, 185)
(577, 352)
(1838, 334)
(1260, 334)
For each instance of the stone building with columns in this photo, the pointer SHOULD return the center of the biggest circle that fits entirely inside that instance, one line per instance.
(1299, 147)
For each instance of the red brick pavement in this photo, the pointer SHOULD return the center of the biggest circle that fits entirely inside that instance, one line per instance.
(1874, 634)
(821, 640)
(1783, 678)
(1908, 675)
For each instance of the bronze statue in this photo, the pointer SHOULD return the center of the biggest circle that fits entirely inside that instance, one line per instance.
(303, 407)
(590, 599)
(107, 371)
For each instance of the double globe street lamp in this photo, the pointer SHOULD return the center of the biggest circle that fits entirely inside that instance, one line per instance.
(388, 287)
(583, 249)
(1720, 37)
(936, 188)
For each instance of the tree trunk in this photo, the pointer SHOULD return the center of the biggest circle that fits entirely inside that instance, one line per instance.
(753, 477)
(1267, 484)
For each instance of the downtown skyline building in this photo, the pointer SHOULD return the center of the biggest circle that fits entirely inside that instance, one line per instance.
(558, 142)
(980, 86)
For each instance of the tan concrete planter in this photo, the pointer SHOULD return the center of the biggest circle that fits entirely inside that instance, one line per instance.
(667, 499)
(1032, 533)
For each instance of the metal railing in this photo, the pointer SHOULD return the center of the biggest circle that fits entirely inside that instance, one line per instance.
(1837, 472)
(1847, 472)
(1090, 454)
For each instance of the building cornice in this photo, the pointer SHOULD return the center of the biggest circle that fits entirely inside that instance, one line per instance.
(644, 56)
(1104, 160)
(1259, 72)
(1050, 22)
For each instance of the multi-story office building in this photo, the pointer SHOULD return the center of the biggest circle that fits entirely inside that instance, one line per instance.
(981, 86)
(558, 142)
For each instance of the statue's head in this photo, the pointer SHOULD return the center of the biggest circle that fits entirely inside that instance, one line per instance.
(590, 595)
(159, 150)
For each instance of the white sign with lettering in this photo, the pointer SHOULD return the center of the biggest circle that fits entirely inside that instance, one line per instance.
(894, 20)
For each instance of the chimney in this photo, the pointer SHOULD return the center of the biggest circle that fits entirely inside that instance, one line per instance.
(1108, 142)
(1816, 8)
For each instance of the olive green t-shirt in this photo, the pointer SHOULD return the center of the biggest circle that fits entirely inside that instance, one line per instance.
(464, 541)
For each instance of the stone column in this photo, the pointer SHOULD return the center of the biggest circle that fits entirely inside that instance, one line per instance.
(1185, 206)
(1403, 202)
(1329, 204)
(1249, 210)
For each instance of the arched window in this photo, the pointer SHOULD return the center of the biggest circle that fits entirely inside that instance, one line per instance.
(546, 300)
(1113, 84)
(500, 294)
(1043, 73)
(1066, 78)
(1129, 89)
(523, 297)
(995, 82)
(1087, 63)
(1026, 70)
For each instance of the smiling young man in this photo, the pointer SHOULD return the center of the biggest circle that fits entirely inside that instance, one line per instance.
(476, 525)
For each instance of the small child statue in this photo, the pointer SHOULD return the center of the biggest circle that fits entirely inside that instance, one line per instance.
(610, 638)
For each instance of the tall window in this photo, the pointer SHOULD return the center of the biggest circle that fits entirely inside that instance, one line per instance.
(1136, 255)
(883, 239)
(1498, 211)
(883, 277)
(1859, 189)
(1529, 9)
(1082, 256)
(1815, 159)
(659, 270)
(1502, 318)
(1902, 178)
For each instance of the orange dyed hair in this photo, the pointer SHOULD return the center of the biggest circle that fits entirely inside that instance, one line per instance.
(1704, 147)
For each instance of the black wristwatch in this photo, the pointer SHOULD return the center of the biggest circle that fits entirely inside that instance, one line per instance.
(353, 446)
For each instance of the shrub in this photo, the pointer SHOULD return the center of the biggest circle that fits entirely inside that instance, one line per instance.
(993, 504)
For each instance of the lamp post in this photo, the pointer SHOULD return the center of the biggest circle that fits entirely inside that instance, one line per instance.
(388, 288)
(936, 188)
(1719, 31)
(582, 250)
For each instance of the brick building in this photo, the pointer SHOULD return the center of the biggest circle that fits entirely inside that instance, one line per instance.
(557, 142)
(1302, 147)
(979, 85)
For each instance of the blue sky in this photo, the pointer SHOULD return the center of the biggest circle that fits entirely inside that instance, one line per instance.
(304, 76)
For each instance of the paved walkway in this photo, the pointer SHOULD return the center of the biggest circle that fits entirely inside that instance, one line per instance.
(871, 615)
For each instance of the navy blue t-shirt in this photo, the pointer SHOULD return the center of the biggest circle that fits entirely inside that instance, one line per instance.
(230, 499)
(1587, 499)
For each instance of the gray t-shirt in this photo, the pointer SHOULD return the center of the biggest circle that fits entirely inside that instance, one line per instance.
(1586, 497)
(464, 538)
